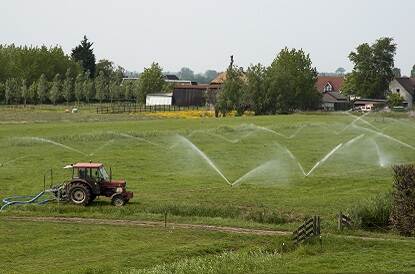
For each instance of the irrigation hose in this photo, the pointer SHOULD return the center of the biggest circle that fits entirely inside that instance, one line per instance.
(24, 200)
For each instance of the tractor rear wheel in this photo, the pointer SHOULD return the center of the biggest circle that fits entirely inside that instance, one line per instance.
(79, 194)
(118, 201)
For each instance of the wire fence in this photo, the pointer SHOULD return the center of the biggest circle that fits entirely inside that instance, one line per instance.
(134, 108)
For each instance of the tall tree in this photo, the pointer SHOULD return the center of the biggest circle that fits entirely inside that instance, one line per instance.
(42, 89)
(373, 69)
(84, 54)
(114, 90)
(105, 66)
(89, 88)
(79, 87)
(101, 87)
(12, 92)
(413, 71)
(129, 90)
(210, 75)
(68, 89)
(340, 71)
(24, 91)
(32, 93)
(230, 96)
(151, 81)
(256, 93)
(2, 92)
(27, 62)
(397, 72)
(186, 74)
(55, 93)
(291, 82)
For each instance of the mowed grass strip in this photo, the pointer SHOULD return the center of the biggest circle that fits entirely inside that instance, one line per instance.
(336, 255)
(28, 247)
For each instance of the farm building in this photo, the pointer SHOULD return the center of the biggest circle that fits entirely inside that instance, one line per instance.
(159, 99)
(182, 95)
(405, 87)
(189, 95)
(368, 104)
(330, 87)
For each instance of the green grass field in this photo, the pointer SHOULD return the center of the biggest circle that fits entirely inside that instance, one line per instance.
(281, 168)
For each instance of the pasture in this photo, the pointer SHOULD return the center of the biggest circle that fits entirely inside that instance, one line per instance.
(260, 172)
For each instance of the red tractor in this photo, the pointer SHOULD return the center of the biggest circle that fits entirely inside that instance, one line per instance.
(90, 180)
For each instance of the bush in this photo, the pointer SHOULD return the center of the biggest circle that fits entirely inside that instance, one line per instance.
(403, 208)
(373, 213)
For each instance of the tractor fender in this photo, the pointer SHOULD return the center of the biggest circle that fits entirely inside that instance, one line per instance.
(68, 184)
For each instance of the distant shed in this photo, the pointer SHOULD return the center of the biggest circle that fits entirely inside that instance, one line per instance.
(159, 99)
(189, 95)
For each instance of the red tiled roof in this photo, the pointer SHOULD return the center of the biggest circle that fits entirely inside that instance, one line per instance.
(335, 81)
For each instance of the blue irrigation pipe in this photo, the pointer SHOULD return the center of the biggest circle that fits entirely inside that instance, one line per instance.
(24, 200)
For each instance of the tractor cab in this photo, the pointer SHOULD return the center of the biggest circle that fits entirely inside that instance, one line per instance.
(90, 180)
(94, 173)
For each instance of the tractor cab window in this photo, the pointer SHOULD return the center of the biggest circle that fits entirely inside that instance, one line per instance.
(82, 173)
(100, 174)
(104, 174)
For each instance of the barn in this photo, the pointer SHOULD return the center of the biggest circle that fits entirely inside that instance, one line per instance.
(189, 95)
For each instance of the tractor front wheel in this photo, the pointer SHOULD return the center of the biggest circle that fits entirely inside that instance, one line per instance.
(79, 194)
(118, 201)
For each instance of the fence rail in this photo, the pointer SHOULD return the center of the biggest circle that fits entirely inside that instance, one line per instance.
(343, 221)
(310, 228)
(133, 108)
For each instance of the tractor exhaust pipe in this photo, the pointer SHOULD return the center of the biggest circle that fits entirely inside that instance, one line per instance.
(110, 174)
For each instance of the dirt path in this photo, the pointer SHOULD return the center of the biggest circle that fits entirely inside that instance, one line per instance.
(150, 224)
(225, 229)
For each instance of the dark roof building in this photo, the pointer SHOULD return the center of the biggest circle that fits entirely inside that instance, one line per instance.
(171, 77)
(405, 87)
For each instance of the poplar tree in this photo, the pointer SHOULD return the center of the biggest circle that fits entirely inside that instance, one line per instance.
(24, 91)
(68, 92)
(42, 89)
(79, 87)
(55, 92)
(101, 87)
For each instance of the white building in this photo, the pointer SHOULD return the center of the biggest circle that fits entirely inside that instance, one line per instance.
(159, 99)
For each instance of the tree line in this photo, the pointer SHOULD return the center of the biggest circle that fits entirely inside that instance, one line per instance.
(287, 85)
(32, 75)
(84, 88)
(41, 75)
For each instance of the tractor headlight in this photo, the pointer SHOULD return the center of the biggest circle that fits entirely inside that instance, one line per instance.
(119, 190)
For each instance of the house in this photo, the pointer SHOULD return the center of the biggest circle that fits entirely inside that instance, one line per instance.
(405, 87)
(330, 88)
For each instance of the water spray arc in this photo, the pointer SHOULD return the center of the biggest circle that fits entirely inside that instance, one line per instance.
(325, 158)
(381, 158)
(43, 140)
(387, 137)
(136, 138)
(204, 156)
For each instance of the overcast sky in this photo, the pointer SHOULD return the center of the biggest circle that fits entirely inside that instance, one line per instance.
(203, 34)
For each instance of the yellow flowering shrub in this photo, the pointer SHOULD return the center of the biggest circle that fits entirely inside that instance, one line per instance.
(187, 114)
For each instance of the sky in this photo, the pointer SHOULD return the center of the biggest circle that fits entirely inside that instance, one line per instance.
(203, 34)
